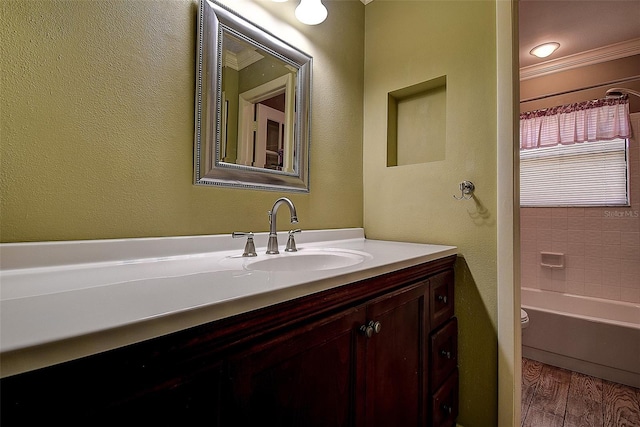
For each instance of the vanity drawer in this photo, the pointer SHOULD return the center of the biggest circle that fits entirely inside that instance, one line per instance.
(444, 403)
(441, 299)
(444, 353)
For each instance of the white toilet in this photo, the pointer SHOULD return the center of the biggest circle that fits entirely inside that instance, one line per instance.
(524, 319)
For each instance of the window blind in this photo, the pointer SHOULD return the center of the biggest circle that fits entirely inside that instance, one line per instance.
(586, 174)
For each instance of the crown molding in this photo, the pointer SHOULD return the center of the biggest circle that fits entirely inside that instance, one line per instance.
(582, 59)
(238, 61)
(366, 2)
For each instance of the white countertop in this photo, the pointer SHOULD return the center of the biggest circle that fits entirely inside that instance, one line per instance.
(64, 300)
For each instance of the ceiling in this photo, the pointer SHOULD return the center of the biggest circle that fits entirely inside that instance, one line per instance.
(578, 25)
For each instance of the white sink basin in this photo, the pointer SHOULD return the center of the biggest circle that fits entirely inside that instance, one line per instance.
(303, 260)
(306, 261)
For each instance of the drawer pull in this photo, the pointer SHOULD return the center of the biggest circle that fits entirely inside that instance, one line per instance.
(446, 354)
(442, 298)
(446, 408)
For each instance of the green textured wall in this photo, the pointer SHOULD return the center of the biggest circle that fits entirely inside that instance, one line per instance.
(97, 119)
(407, 43)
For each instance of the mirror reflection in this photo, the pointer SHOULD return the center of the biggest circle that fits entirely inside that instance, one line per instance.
(252, 106)
(258, 96)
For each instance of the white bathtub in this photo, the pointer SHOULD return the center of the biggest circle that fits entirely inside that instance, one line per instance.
(594, 336)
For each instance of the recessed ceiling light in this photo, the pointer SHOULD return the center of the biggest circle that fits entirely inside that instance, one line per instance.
(544, 50)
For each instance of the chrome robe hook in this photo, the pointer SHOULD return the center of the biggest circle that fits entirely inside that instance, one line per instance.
(466, 189)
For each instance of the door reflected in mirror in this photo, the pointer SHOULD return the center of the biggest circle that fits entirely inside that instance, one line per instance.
(256, 135)
(259, 90)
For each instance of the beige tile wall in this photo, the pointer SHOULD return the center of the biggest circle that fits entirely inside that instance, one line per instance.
(601, 245)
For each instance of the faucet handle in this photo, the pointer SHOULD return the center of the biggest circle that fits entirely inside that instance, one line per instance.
(249, 248)
(291, 243)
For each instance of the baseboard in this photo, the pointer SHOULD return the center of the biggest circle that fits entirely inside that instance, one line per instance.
(593, 369)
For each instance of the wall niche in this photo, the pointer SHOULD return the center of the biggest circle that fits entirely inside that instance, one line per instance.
(416, 123)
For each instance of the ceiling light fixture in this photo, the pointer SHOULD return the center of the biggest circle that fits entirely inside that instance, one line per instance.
(311, 12)
(544, 50)
(617, 92)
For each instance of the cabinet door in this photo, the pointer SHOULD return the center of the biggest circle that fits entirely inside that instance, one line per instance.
(109, 390)
(396, 359)
(189, 400)
(306, 377)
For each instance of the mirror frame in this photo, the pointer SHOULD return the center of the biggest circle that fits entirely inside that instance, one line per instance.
(214, 20)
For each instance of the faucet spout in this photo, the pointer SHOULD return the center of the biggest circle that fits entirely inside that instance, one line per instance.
(272, 245)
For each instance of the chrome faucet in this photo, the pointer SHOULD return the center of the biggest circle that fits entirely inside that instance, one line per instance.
(272, 245)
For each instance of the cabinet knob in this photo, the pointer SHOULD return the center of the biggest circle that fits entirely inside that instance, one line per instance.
(446, 354)
(371, 328)
(366, 330)
(446, 408)
(442, 298)
(376, 326)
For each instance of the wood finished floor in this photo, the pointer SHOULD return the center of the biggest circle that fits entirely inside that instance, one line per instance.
(555, 397)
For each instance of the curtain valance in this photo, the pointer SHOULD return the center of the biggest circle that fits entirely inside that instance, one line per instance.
(600, 119)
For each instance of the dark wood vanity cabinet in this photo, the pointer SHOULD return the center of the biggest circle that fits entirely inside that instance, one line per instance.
(379, 352)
